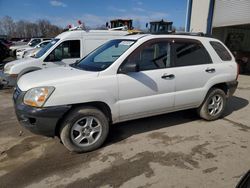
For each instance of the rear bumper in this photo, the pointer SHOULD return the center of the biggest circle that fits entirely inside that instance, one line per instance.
(232, 86)
(40, 121)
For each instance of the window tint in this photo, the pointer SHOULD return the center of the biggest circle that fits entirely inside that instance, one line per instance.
(67, 50)
(221, 51)
(190, 53)
(151, 55)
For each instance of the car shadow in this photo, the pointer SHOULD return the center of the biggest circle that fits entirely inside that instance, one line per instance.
(234, 104)
(122, 131)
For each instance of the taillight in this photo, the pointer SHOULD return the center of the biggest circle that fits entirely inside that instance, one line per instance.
(238, 71)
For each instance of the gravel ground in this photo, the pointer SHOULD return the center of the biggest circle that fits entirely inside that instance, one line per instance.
(172, 150)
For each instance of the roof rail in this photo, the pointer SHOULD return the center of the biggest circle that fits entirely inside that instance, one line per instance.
(201, 34)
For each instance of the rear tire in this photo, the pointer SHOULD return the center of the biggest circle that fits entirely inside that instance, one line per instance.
(84, 129)
(213, 106)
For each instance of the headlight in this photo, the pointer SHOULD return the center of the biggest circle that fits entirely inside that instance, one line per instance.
(37, 96)
(7, 67)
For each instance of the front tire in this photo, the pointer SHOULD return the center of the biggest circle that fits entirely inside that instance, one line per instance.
(84, 129)
(214, 105)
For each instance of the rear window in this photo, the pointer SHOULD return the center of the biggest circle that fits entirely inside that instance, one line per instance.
(221, 51)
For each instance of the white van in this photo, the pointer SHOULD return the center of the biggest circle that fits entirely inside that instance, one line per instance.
(65, 49)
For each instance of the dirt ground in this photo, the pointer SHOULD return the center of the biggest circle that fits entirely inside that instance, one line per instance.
(172, 150)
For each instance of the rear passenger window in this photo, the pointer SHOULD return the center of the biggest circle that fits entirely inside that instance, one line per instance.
(221, 51)
(190, 53)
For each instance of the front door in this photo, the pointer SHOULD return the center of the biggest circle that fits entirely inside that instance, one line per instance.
(149, 91)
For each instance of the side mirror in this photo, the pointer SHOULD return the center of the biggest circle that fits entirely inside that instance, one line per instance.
(129, 67)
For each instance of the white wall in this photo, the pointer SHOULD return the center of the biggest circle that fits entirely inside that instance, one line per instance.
(231, 12)
(199, 15)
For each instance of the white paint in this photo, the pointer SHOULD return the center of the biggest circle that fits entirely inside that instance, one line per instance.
(138, 94)
(233, 12)
(199, 16)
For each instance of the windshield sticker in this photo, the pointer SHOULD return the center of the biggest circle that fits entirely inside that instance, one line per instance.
(126, 43)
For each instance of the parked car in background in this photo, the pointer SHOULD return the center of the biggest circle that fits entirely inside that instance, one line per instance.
(65, 49)
(7, 43)
(4, 53)
(128, 78)
(32, 43)
(28, 51)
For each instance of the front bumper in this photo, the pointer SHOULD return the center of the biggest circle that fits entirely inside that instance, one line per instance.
(8, 79)
(40, 121)
(232, 86)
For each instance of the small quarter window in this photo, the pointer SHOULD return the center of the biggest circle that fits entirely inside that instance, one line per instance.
(221, 51)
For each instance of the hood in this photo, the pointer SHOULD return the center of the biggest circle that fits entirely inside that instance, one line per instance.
(21, 61)
(24, 48)
(53, 77)
(19, 46)
(8, 66)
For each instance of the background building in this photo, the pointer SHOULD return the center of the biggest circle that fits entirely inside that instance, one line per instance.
(227, 20)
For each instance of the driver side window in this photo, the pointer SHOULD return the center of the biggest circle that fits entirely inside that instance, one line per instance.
(66, 50)
(151, 55)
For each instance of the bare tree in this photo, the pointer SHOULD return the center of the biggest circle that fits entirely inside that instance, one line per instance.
(8, 25)
(26, 29)
(44, 26)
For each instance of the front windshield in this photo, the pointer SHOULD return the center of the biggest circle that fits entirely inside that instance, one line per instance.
(105, 55)
(46, 48)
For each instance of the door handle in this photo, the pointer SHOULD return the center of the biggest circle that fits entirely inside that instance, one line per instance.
(168, 76)
(210, 70)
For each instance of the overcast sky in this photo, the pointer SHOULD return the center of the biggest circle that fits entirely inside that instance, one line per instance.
(95, 12)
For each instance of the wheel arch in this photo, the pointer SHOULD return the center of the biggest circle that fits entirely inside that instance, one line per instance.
(102, 106)
(223, 86)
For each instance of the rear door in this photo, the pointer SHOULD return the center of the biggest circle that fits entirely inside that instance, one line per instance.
(194, 68)
(149, 91)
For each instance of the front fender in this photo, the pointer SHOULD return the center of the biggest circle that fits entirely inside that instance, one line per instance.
(27, 70)
(108, 97)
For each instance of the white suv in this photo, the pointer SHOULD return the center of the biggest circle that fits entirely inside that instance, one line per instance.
(128, 78)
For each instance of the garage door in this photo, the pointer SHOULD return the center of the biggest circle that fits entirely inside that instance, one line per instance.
(231, 12)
